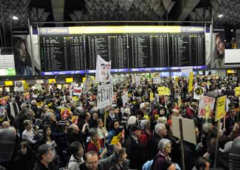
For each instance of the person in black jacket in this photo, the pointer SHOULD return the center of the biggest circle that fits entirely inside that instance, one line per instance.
(46, 157)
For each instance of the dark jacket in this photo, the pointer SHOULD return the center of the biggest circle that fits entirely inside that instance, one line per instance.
(160, 162)
(39, 166)
(104, 164)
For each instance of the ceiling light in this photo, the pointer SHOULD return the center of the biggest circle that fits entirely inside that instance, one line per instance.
(15, 18)
(220, 15)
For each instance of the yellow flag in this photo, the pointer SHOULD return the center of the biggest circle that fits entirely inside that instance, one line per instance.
(151, 96)
(190, 82)
(220, 109)
(237, 91)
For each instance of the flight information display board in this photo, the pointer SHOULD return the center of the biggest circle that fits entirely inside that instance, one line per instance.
(79, 52)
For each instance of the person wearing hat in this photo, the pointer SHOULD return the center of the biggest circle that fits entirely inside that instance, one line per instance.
(46, 156)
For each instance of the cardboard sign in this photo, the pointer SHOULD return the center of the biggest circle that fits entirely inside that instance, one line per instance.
(220, 108)
(206, 106)
(188, 127)
(104, 96)
(164, 91)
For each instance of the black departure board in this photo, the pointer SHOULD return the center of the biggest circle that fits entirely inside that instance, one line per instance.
(79, 52)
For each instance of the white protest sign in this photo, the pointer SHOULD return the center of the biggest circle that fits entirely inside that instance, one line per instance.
(198, 92)
(125, 98)
(104, 96)
(138, 80)
(188, 127)
(103, 70)
(156, 80)
(19, 86)
(77, 91)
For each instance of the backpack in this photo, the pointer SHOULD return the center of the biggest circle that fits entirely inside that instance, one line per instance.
(147, 165)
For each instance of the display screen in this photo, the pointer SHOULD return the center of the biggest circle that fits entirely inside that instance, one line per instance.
(78, 52)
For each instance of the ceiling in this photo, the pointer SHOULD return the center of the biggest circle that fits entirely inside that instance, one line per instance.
(118, 10)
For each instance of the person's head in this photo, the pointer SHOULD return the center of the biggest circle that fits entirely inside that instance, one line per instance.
(46, 153)
(122, 155)
(5, 124)
(160, 129)
(76, 149)
(202, 164)
(74, 128)
(91, 160)
(100, 123)
(47, 131)
(23, 147)
(27, 124)
(165, 146)
(95, 116)
(116, 124)
(87, 116)
(93, 134)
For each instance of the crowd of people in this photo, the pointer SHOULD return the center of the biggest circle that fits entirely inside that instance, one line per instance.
(54, 130)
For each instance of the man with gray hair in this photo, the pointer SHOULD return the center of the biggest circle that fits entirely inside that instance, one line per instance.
(160, 131)
(162, 160)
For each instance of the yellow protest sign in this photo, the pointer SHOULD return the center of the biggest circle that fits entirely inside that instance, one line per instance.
(220, 109)
(69, 80)
(151, 96)
(8, 83)
(84, 79)
(75, 98)
(190, 82)
(237, 91)
(51, 81)
(164, 91)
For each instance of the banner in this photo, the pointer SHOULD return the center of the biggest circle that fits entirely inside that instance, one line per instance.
(190, 82)
(103, 70)
(237, 91)
(19, 86)
(104, 95)
(220, 109)
(206, 106)
(164, 91)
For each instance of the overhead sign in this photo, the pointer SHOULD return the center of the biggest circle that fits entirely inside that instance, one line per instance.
(103, 70)
(104, 95)
(221, 108)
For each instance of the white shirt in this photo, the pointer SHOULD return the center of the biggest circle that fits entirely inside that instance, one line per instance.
(28, 135)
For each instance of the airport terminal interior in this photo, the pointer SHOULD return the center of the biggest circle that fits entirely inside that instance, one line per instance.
(119, 85)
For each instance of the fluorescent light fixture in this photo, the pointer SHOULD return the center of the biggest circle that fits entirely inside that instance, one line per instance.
(15, 18)
(220, 15)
